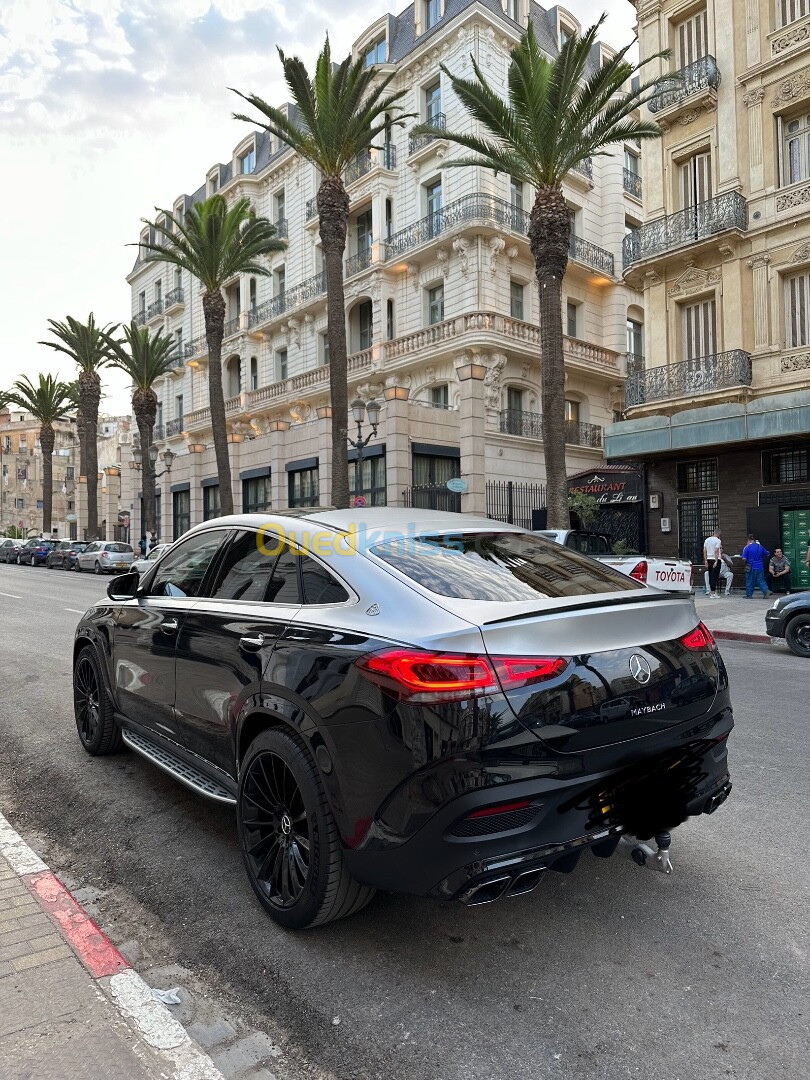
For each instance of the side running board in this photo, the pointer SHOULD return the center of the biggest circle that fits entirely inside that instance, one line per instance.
(176, 767)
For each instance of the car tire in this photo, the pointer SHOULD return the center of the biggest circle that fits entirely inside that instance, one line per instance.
(797, 635)
(33, 560)
(78, 567)
(97, 568)
(19, 560)
(92, 708)
(276, 819)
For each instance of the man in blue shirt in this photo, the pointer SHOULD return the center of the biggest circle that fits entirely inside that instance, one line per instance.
(755, 555)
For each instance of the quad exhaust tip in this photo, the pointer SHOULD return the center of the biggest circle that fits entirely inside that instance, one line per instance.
(487, 892)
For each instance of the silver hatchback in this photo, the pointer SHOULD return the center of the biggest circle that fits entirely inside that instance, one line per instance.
(105, 557)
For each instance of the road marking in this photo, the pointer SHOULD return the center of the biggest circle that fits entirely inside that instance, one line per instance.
(75, 610)
(13, 595)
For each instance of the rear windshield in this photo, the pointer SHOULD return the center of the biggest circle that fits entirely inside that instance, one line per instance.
(78, 545)
(499, 566)
(118, 547)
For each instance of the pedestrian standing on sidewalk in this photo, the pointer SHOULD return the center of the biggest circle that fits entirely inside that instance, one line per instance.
(779, 569)
(712, 560)
(755, 555)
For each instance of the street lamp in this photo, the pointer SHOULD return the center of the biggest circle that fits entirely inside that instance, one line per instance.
(359, 410)
(167, 457)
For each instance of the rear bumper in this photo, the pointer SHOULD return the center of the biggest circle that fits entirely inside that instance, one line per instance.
(655, 794)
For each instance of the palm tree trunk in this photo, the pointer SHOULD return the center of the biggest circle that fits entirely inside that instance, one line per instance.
(144, 405)
(333, 211)
(214, 312)
(549, 230)
(46, 441)
(89, 398)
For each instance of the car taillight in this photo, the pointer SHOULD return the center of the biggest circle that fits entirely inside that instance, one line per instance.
(432, 676)
(104, 555)
(639, 572)
(698, 639)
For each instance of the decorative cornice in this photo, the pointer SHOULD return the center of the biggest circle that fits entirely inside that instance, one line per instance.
(795, 363)
(794, 36)
(754, 97)
(792, 89)
(756, 261)
(801, 254)
(694, 280)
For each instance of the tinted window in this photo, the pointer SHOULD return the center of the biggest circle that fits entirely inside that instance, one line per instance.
(283, 587)
(246, 569)
(182, 571)
(118, 547)
(499, 566)
(319, 585)
(77, 545)
(92, 547)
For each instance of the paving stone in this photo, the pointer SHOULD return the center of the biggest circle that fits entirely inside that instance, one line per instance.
(208, 1035)
(23, 963)
(11, 952)
(245, 1053)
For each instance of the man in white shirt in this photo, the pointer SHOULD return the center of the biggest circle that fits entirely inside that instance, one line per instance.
(712, 560)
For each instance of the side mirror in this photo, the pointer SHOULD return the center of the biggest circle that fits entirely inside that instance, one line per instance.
(124, 587)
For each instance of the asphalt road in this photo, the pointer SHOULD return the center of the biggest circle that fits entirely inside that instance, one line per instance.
(609, 972)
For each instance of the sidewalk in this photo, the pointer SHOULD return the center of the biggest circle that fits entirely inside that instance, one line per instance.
(70, 1005)
(735, 618)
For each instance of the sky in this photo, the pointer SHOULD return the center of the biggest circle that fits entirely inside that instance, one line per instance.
(109, 108)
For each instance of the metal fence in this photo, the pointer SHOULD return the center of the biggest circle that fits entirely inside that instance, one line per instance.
(513, 502)
(432, 497)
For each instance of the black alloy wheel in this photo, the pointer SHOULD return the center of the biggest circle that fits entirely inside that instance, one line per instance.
(98, 732)
(797, 635)
(290, 843)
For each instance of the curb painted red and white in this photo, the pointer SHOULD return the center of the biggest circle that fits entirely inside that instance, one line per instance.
(739, 635)
(123, 986)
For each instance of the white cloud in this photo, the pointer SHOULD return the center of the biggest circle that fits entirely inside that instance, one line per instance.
(110, 107)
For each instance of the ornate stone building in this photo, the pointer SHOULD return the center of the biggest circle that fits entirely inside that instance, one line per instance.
(21, 474)
(718, 407)
(441, 306)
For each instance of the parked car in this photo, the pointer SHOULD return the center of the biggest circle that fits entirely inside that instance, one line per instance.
(672, 575)
(144, 563)
(9, 549)
(105, 557)
(63, 556)
(35, 552)
(789, 618)
(408, 700)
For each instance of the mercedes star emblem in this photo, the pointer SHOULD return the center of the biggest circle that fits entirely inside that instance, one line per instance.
(640, 669)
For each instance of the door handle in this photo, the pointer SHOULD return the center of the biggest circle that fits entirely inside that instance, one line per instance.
(168, 626)
(251, 642)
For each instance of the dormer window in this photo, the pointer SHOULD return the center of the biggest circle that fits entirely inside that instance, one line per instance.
(213, 183)
(375, 53)
(432, 12)
(566, 33)
(247, 161)
(512, 9)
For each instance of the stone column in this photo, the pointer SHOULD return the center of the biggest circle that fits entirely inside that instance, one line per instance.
(752, 32)
(753, 99)
(728, 174)
(278, 453)
(398, 475)
(472, 422)
(81, 508)
(195, 501)
(759, 274)
(325, 456)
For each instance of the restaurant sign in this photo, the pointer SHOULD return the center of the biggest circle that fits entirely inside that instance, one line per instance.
(608, 487)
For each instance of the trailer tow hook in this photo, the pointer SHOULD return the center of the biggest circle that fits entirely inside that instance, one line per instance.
(644, 855)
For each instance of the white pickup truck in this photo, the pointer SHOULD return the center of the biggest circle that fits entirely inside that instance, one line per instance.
(673, 575)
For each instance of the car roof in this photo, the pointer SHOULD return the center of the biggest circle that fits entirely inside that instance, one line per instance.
(297, 521)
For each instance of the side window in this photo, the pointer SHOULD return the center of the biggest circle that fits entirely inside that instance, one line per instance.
(246, 569)
(181, 573)
(319, 585)
(92, 547)
(283, 587)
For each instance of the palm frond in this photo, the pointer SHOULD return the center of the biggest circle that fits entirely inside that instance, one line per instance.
(144, 357)
(84, 343)
(47, 399)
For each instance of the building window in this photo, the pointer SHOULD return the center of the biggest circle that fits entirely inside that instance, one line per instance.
(786, 466)
(375, 53)
(693, 39)
(303, 487)
(213, 183)
(254, 373)
(440, 396)
(363, 232)
(280, 281)
(432, 12)
(699, 329)
(635, 342)
(70, 474)
(365, 324)
(324, 348)
(436, 305)
(280, 199)
(256, 495)
(389, 219)
(697, 519)
(252, 294)
(516, 299)
(247, 161)
(435, 470)
(178, 278)
(514, 399)
(371, 484)
(281, 365)
(697, 475)
(572, 319)
(433, 102)
(142, 303)
(178, 342)
(158, 291)
(571, 411)
(513, 10)
(389, 320)
(178, 408)
(695, 177)
(565, 35)
(797, 310)
(791, 10)
(181, 513)
(234, 377)
(210, 502)
(631, 162)
(516, 193)
(795, 155)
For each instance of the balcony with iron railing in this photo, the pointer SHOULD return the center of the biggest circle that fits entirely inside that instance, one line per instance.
(158, 432)
(530, 426)
(357, 263)
(140, 318)
(635, 362)
(311, 210)
(584, 168)
(632, 184)
(196, 347)
(419, 142)
(686, 87)
(174, 298)
(584, 251)
(280, 225)
(724, 213)
(154, 309)
(232, 326)
(691, 378)
(174, 427)
(383, 157)
(304, 293)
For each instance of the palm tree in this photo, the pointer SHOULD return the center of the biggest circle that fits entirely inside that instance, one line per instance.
(144, 358)
(215, 243)
(87, 345)
(557, 114)
(47, 400)
(338, 115)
